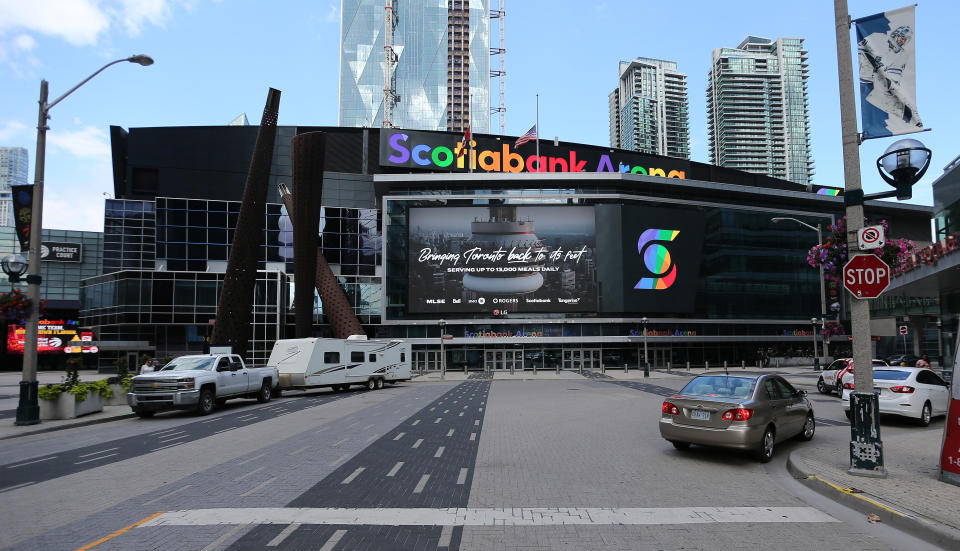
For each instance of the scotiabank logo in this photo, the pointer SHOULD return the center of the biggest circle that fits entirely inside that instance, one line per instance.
(657, 259)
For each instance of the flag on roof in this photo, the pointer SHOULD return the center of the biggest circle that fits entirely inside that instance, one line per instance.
(530, 135)
(465, 143)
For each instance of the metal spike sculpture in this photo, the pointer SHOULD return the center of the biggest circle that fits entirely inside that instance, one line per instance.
(309, 150)
(340, 315)
(232, 326)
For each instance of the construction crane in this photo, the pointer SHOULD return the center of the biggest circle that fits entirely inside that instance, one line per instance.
(500, 73)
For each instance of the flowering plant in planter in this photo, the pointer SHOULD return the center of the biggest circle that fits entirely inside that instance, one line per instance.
(14, 305)
(832, 255)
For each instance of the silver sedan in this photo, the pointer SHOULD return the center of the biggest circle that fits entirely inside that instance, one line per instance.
(744, 411)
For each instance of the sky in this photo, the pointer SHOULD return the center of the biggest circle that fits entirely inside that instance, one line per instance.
(215, 59)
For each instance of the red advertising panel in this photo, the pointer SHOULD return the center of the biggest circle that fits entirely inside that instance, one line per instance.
(53, 337)
(950, 458)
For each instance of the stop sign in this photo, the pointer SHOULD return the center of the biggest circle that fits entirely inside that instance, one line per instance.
(866, 276)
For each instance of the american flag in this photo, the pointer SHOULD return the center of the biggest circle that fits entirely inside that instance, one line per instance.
(530, 135)
(465, 143)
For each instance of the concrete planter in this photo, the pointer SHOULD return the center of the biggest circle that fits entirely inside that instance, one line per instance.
(119, 397)
(66, 406)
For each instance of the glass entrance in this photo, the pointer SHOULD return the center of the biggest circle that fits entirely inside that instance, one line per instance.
(426, 360)
(586, 358)
(659, 357)
(500, 360)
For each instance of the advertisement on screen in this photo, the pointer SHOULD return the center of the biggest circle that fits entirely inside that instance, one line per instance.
(53, 337)
(502, 259)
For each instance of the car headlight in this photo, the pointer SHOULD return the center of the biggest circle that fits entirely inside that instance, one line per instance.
(186, 384)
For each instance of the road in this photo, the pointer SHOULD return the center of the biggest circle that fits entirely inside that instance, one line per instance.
(478, 464)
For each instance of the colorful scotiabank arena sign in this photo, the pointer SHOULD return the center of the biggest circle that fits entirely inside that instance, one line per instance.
(53, 337)
(866, 276)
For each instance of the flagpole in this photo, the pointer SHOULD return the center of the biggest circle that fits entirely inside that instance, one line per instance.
(539, 168)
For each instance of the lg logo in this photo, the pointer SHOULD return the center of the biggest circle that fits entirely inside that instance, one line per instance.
(657, 259)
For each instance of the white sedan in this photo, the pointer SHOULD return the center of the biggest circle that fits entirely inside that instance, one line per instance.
(907, 391)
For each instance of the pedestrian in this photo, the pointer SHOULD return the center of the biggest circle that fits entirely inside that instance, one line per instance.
(923, 361)
(147, 367)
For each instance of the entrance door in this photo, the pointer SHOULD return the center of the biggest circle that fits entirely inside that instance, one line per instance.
(499, 360)
(426, 360)
(591, 358)
(661, 357)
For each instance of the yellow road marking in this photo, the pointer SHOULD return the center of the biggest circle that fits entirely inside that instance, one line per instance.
(118, 532)
(858, 496)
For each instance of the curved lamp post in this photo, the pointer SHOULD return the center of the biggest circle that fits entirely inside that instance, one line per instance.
(28, 410)
(823, 293)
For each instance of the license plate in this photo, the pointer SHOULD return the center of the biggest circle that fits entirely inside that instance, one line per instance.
(700, 414)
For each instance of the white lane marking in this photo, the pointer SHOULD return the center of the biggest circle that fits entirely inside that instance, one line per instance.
(476, 422)
(395, 468)
(445, 534)
(413, 424)
(368, 426)
(462, 477)
(212, 420)
(460, 414)
(181, 437)
(417, 443)
(334, 539)
(480, 409)
(506, 516)
(450, 433)
(165, 447)
(175, 429)
(21, 485)
(473, 436)
(421, 484)
(340, 442)
(353, 475)
(215, 544)
(177, 491)
(246, 417)
(99, 452)
(399, 436)
(431, 409)
(258, 487)
(340, 460)
(225, 430)
(371, 439)
(249, 474)
(466, 407)
(438, 420)
(446, 411)
(254, 458)
(95, 458)
(283, 535)
(295, 452)
(439, 452)
(32, 462)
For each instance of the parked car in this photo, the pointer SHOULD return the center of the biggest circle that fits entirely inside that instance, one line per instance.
(913, 392)
(906, 360)
(744, 411)
(830, 378)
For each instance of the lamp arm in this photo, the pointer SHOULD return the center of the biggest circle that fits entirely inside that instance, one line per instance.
(50, 105)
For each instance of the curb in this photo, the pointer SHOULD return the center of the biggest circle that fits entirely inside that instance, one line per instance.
(71, 425)
(909, 522)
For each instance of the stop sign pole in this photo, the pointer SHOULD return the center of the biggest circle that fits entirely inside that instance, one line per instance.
(866, 448)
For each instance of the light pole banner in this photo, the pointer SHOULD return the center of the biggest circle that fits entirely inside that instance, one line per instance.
(888, 84)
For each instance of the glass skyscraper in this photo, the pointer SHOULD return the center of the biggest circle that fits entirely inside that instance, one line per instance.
(649, 109)
(441, 76)
(757, 109)
(13, 171)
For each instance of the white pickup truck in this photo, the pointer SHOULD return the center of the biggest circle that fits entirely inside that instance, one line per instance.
(200, 382)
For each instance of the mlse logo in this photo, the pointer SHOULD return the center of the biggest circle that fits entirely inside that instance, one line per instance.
(657, 259)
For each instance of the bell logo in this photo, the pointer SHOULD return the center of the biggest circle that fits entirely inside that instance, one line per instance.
(657, 259)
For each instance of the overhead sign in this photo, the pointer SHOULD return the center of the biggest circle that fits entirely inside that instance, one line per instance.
(61, 252)
(866, 276)
(870, 237)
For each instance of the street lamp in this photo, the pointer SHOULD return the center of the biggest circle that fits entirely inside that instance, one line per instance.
(644, 321)
(823, 293)
(28, 410)
(14, 265)
(443, 356)
(902, 165)
(813, 322)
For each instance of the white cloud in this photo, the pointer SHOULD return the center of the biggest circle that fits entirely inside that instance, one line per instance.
(79, 22)
(84, 212)
(11, 129)
(333, 14)
(24, 42)
(90, 142)
(74, 195)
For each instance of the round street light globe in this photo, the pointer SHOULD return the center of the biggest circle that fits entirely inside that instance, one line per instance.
(14, 264)
(910, 154)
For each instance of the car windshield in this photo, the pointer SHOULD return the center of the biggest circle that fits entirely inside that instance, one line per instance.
(890, 375)
(721, 387)
(189, 364)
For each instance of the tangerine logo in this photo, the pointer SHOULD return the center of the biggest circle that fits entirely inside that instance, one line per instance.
(657, 259)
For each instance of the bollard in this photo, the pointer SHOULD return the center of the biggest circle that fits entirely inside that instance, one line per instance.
(603, 368)
(669, 365)
(778, 363)
(626, 369)
(534, 368)
(558, 368)
(511, 368)
(816, 364)
(725, 372)
(706, 365)
(646, 369)
(743, 364)
(688, 366)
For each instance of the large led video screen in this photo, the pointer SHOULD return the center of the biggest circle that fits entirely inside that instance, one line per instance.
(502, 259)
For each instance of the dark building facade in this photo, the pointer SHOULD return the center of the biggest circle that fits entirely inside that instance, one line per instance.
(601, 256)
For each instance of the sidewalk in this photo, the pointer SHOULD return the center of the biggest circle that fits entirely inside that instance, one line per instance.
(910, 498)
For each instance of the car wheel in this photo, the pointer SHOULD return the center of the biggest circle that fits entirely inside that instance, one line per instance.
(822, 386)
(144, 413)
(765, 453)
(809, 428)
(264, 395)
(379, 384)
(680, 445)
(371, 384)
(207, 402)
(925, 415)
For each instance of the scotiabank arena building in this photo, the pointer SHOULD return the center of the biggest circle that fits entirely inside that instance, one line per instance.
(591, 256)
